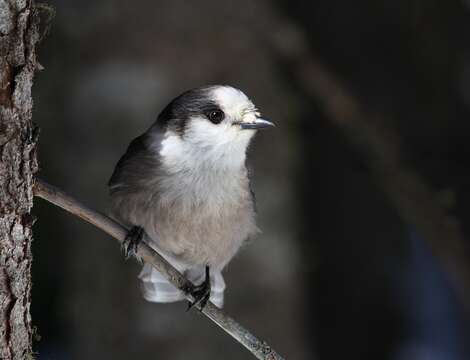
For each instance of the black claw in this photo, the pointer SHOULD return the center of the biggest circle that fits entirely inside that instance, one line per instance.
(132, 241)
(201, 293)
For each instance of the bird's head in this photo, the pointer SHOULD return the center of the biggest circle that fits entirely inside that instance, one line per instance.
(215, 122)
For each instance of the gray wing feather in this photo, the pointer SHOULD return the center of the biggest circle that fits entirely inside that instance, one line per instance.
(127, 168)
(133, 182)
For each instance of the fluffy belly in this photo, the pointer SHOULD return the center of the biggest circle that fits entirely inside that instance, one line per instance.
(199, 236)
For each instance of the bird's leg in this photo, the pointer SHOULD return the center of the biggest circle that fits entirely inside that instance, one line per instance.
(201, 293)
(132, 240)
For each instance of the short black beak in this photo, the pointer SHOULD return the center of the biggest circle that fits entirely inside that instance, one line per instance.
(257, 124)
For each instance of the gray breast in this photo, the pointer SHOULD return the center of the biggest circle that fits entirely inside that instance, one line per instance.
(202, 221)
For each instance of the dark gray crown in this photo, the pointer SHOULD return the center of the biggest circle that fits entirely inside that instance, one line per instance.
(194, 102)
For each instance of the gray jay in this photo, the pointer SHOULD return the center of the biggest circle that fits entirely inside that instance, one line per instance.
(183, 187)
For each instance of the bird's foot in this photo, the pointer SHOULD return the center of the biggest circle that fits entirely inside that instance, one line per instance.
(201, 293)
(132, 241)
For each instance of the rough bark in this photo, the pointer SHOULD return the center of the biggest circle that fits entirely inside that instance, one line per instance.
(18, 36)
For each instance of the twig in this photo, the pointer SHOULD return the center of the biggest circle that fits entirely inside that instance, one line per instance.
(258, 348)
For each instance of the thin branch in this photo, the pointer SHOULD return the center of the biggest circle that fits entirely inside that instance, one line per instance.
(258, 348)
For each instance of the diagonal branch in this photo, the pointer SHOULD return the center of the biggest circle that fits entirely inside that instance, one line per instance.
(258, 348)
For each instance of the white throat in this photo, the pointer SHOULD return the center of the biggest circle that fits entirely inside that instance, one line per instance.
(207, 153)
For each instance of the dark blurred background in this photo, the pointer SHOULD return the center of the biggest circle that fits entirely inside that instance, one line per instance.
(338, 272)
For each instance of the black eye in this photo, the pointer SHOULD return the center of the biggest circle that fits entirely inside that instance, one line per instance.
(215, 116)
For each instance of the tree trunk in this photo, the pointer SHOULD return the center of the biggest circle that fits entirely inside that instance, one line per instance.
(18, 36)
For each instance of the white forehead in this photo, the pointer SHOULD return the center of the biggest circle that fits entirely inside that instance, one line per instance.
(232, 101)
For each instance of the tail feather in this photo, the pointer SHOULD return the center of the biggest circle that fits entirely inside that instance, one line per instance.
(156, 288)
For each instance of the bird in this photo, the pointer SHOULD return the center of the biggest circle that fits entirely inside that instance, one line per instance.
(183, 187)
